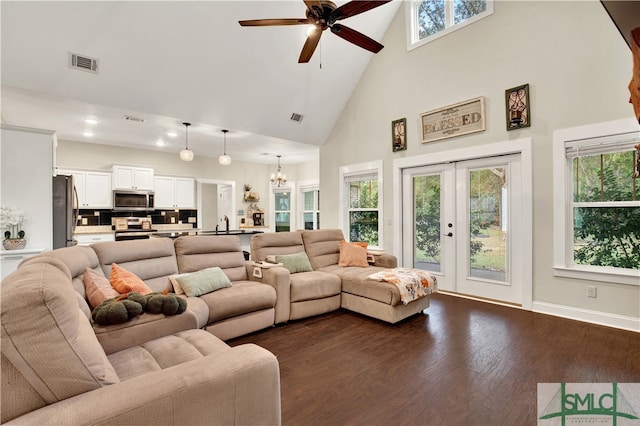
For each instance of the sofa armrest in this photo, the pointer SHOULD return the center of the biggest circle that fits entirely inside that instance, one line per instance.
(278, 278)
(385, 260)
(239, 386)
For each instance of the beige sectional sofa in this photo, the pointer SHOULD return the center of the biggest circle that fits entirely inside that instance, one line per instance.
(58, 367)
(317, 292)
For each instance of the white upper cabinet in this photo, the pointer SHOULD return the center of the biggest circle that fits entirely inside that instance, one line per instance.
(127, 177)
(174, 193)
(94, 188)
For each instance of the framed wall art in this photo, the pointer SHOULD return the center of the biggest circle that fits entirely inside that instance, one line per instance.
(399, 134)
(517, 106)
(453, 120)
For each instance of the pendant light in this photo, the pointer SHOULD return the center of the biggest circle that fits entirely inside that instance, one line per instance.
(186, 154)
(224, 159)
(279, 178)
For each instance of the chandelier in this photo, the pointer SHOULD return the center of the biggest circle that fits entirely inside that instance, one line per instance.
(278, 178)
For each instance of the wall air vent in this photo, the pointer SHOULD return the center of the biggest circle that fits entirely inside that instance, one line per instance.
(132, 118)
(83, 63)
(296, 117)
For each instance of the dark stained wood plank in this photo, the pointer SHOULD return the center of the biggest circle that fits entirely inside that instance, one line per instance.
(463, 363)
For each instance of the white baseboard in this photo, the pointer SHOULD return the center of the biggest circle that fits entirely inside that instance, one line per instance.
(595, 317)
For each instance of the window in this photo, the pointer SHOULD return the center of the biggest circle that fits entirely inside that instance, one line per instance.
(362, 194)
(601, 199)
(282, 213)
(310, 207)
(431, 19)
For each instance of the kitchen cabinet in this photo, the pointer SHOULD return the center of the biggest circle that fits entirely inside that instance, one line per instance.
(94, 188)
(128, 177)
(174, 193)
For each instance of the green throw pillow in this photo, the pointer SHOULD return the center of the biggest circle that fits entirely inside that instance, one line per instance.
(298, 262)
(203, 282)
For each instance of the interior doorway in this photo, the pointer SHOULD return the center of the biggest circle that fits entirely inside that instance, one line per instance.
(216, 199)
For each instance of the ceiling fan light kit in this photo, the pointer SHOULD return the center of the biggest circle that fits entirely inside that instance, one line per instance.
(323, 14)
(224, 159)
(186, 154)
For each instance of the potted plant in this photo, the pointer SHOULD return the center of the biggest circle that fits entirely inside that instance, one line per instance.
(11, 220)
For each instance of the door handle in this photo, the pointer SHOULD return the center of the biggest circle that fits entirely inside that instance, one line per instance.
(450, 234)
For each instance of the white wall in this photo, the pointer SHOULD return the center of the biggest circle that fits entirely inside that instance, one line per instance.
(578, 68)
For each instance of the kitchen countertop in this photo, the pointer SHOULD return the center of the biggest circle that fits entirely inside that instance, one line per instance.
(176, 234)
(106, 229)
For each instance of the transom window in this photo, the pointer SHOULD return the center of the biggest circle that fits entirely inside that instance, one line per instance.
(431, 19)
(601, 226)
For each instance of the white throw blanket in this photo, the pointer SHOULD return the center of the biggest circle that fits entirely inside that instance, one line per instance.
(412, 283)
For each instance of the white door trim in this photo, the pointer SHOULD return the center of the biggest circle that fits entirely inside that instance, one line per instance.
(518, 146)
(199, 182)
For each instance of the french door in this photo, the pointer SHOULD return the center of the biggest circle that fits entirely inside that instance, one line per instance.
(462, 221)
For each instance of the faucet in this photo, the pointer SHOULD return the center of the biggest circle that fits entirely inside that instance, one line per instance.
(226, 219)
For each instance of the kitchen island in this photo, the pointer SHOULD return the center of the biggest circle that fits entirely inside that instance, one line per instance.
(244, 235)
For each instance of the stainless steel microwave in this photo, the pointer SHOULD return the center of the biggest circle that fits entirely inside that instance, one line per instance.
(126, 200)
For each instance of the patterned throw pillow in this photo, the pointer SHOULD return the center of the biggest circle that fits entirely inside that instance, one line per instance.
(97, 287)
(125, 282)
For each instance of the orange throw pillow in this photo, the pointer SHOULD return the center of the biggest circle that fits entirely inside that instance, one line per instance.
(125, 282)
(97, 287)
(362, 244)
(352, 255)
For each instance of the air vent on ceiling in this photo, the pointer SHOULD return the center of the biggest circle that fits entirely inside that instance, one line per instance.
(132, 118)
(296, 117)
(83, 63)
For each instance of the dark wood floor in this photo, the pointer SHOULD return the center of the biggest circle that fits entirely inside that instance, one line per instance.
(464, 363)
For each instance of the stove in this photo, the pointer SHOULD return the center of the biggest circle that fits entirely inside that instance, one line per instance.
(132, 228)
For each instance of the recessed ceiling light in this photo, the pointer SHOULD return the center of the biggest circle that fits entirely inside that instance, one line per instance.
(160, 142)
(91, 121)
(88, 134)
(172, 133)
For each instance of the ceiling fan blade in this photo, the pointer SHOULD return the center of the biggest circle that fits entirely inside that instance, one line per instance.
(356, 38)
(353, 8)
(310, 46)
(273, 22)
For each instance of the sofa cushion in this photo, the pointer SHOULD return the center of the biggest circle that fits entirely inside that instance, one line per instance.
(352, 255)
(241, 298)
(275, 243)
(322, 246)
(97, 287)
(294, 263)
(314, 285)
(126, 281)
(195, 253)
(153, 260)
(61, 357)
(165, 352)
(355, 281)
(203, 282)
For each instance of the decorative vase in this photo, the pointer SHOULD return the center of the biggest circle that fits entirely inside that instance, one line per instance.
(14, 243)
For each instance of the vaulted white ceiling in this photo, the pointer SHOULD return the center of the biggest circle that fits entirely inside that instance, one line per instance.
(174, 61)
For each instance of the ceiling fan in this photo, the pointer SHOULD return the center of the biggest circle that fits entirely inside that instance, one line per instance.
(323, 14)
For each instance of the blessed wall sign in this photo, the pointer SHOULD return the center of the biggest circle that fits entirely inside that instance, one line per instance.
(453, 120)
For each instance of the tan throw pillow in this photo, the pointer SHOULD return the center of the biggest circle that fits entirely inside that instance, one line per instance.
(352, 255)
(125, 282)
(97, 287)
(175, 284)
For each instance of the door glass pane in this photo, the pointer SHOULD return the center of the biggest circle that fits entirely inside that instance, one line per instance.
(426, 201)
(488, 223)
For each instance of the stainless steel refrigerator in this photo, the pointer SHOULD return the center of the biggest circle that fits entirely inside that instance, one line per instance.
(65, 211)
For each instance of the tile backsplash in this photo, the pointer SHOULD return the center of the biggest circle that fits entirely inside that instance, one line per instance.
(103, 217)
